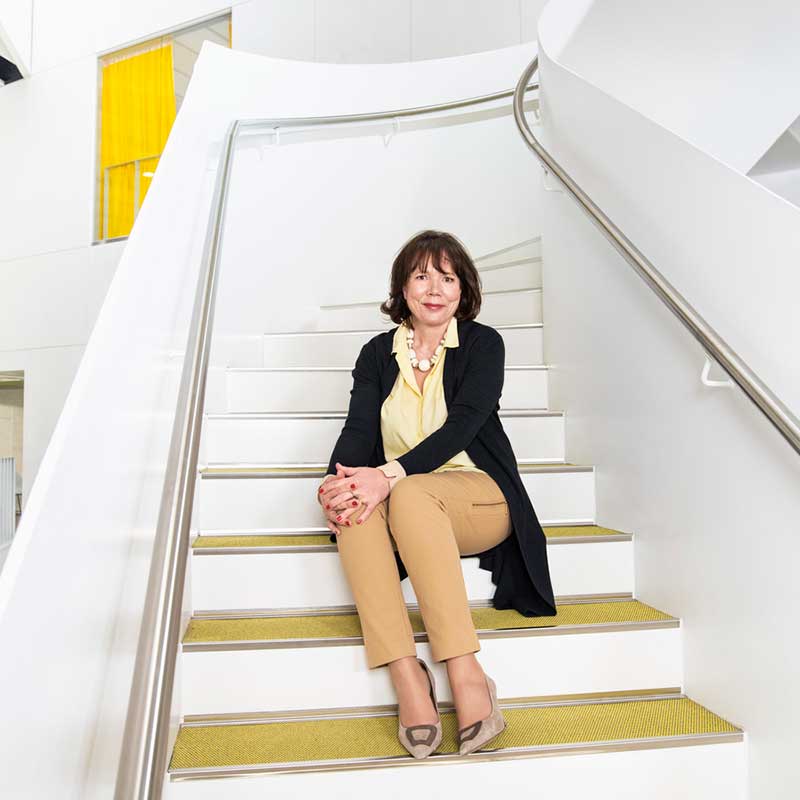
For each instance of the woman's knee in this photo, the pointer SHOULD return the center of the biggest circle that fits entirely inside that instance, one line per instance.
(407, 490)
(409, 496)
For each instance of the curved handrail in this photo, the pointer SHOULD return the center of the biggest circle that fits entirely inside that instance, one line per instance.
(770, 405)
(142, 766)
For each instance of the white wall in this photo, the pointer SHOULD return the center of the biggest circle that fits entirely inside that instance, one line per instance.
(47, 155)
(48, 306)
(362, 31)
(703, 480)
(16, 22)
(64, 32)
(719, 74)
(305, 229)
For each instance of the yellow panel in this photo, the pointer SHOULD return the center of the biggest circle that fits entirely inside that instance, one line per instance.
(120, 197)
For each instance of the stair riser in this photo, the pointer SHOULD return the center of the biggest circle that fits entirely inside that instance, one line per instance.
(275, 679)
(275, 503)
(302, 580)
(523, 346)
(242, 441)
(497, 309)
(519, 276)
(700, 772)
(314, 390)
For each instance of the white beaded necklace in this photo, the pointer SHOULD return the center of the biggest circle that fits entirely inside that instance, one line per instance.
(426, 363)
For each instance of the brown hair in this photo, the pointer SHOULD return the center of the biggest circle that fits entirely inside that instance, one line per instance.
(415, 253)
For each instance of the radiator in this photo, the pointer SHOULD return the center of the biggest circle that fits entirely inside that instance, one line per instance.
(8, 505)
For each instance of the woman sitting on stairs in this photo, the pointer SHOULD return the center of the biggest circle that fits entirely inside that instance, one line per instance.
(423, 474)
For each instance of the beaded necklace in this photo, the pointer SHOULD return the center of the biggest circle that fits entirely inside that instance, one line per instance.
(426, 363)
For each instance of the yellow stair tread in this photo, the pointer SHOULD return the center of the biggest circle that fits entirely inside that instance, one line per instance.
(365, 737)
(327, 626)
(315, 540)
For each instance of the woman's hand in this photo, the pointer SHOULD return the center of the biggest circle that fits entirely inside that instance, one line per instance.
(330, 515)
(342, 494)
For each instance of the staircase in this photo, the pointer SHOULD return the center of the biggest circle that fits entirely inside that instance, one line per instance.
(275, 696)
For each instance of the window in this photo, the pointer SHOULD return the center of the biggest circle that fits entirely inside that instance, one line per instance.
(141, 90)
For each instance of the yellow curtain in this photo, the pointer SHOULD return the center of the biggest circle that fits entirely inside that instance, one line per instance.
(148, 168)
(138, 109)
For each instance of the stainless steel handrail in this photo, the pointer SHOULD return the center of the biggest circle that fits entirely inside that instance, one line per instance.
(770, 405)
(143, 757)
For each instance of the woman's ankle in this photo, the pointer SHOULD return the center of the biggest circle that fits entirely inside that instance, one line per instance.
(412, 688)
(402, 665)
(464, 669)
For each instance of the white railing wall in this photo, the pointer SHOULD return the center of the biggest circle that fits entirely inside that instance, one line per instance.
(704, 481)
(698, 69)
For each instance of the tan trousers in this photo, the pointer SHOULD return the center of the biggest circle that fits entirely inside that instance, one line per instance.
(431, 519)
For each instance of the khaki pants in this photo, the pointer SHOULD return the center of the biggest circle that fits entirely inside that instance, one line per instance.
(431, 519)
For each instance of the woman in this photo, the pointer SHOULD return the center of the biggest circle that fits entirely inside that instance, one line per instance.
(423, 474)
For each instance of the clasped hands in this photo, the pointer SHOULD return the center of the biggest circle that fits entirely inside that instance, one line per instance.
(351, 490)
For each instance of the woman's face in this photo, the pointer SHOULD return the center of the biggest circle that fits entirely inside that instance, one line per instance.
(433, 296)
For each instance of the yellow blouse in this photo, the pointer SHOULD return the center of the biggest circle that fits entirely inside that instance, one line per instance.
(409, 415)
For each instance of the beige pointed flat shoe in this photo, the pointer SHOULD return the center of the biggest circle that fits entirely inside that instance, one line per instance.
(422, 740)
(483, 731)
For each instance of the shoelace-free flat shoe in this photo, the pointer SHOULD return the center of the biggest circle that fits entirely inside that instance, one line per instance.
(483, 731)
(422, 740)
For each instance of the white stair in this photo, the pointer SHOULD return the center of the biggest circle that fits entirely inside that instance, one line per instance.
(523, 345)
(240, 438)
(282, 388)
(238, 500)
(297, 577)
(298, 675)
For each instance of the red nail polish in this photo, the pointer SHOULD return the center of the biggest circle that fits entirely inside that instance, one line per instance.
(348, 523)
(355, 503)
(321, 490)
(358, 522)
(327, 505)
(352, 486)
(339, 517)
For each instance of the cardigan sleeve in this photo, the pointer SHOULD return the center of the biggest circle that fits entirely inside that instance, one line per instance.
(360, 432)
(477, 397)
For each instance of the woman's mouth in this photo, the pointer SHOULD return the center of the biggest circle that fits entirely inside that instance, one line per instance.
(432, 306)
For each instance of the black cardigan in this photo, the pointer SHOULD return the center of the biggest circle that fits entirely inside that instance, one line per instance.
(473, 382)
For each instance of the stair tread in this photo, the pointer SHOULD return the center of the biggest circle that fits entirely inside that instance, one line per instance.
(322, 539)
(353, 738)
(347, 625)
